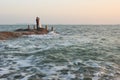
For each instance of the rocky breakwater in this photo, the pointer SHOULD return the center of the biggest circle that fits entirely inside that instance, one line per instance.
(37, 30)
(20, 32)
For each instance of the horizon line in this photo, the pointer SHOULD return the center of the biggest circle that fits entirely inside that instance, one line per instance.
(57, 24)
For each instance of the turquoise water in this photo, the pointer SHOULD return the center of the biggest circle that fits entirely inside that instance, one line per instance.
(72, 52)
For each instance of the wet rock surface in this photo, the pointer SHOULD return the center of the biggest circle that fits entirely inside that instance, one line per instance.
(20, 32)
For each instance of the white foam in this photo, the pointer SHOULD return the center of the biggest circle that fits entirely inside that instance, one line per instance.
(95, 78)
(70, 76)
(26, 77)
(52, 33)
(23, 63)
(3, 79)
(91, 63)
(57, 68)
(78, 61)
(4, 71)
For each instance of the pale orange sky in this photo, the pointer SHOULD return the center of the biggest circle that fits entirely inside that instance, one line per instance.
(60, 11)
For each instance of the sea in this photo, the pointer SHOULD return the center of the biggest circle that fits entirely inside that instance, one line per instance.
(70, 52)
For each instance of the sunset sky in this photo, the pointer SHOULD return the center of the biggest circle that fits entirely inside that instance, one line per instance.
(60, 11)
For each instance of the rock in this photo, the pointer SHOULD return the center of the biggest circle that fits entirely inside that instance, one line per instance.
(19, 32)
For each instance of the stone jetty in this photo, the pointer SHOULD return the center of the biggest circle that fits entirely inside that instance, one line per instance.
(37, 30)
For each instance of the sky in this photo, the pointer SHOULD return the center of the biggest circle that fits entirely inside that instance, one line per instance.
(60, 11)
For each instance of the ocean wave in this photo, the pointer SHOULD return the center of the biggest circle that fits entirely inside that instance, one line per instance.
(75, 53)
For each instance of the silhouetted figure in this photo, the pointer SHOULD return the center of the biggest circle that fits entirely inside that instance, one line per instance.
(46, 27)
(52, 28)
(28, 27)
(38, 22)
